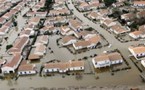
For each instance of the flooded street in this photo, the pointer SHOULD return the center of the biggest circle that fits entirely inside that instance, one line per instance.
(56, 81)
(59, 53)
(90, 78)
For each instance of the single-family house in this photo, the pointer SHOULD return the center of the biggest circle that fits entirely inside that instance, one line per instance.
(53, 13)
(94, 15)
(18, 8)
(3, 30)
(68, 40)
(43, 39)
(104, 12)
(49, 28)
(7, 16)
(107, 59)
(63, 67)
(34, 21)
(107, 22)
(59, 20)
(94, 41)
(117, 29)
(128, 16)
(137, 51)
(40, 50)
(75, 24)
(81, 45)
(138, 34)
(65, 30)
(143, 63)
(27, 69)
(84, 6)
(33, 57)
(101, 61)
(84, 34)
(139, 3)
(8, 24)
(64, 11)
(36, 7)
(135, 34)
(142, 29)
(29, 27)
(94, 5)
(13, 11)
(115, 58)
(40, 14)
(118, 4)
(76, 65)
(19, 45)
(12, 64)
(2, 21)
(26, 33)
(30, 14)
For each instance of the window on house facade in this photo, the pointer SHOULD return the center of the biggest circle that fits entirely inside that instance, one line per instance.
(20, 73)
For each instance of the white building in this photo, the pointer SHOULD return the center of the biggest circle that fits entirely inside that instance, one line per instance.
(76, 65)
(143, 63)
(101, 61)
(138, 51)
(68, 40)
(108, 22)
(27, 33)
(43, 39)
(40, 50)
(107, 59)
(139, 3)
(81, 44)
(12, 65)
(63, 67)
(135, 34)
(27, 69)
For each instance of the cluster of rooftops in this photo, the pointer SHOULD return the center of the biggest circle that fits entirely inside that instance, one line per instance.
(112, 24)
(23, 40)
(73, 34)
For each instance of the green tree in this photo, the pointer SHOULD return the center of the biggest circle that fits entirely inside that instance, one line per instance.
(109, 2)
(9, 46)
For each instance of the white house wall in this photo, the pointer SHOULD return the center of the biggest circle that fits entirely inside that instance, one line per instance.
(27, 72)
(7, 69)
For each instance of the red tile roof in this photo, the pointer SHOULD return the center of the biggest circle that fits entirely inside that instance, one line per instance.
(15, 61)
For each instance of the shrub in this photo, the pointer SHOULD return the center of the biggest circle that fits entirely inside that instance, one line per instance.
(9, 46)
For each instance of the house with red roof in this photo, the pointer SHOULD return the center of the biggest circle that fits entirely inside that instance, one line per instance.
(63, 67)
(27, 69)
(137, 51)
(12, 64)
(107, 59)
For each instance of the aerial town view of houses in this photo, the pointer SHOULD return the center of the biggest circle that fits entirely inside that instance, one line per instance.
(72, 44)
